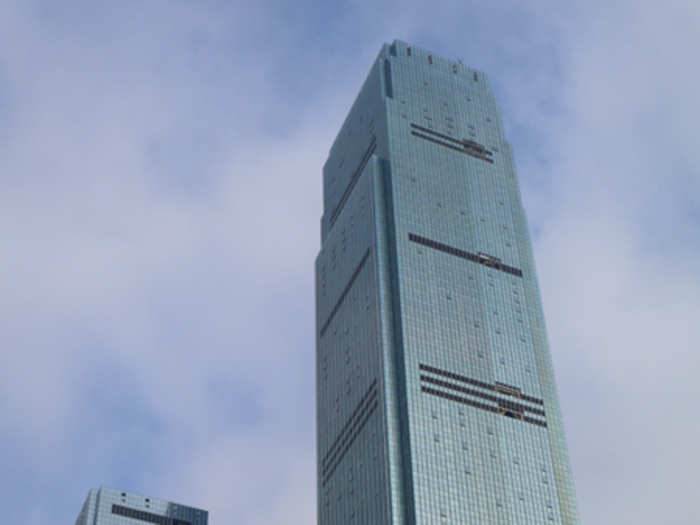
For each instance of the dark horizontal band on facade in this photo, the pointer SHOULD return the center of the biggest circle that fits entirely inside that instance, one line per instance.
(353, 180)
(356, 433)
(351, 429)
(468, 147)
(496, 387)
(347, 436)
(496, 410)
(360, 404)
(479, 258)
(473, 144)
(345, 292)
(502, 403)
(148, 517)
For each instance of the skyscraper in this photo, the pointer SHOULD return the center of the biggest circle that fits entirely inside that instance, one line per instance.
(107, 506)
(436, 400)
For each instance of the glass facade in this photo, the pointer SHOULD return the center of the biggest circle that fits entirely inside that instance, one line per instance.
(436, 400)
(107, 506)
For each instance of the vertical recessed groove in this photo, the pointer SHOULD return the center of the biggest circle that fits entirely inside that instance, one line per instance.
(388, 84)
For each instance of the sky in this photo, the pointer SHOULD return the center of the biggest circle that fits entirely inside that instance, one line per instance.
(160, 198)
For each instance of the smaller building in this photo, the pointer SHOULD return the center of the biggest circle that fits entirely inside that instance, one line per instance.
(108, 506)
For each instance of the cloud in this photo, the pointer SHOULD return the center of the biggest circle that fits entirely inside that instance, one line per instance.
(147, 279)
(617, 258)
(159, 208)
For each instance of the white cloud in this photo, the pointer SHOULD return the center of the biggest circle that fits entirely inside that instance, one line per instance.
(159, 208)
(617, 258)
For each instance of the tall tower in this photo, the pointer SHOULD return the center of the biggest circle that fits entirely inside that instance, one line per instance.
(436, 400)
(107, 506)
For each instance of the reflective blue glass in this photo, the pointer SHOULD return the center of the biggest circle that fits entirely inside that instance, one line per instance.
(108, 506)
(436, 400)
